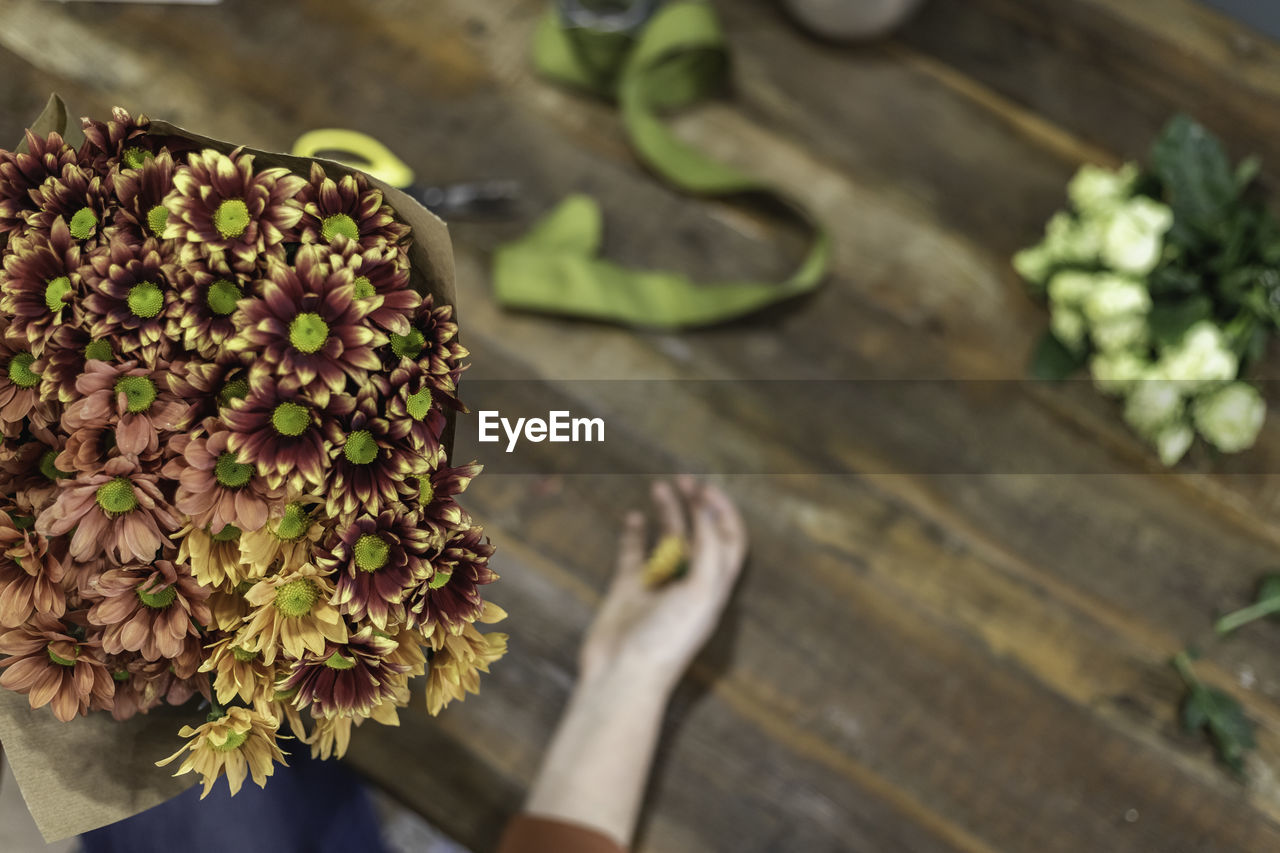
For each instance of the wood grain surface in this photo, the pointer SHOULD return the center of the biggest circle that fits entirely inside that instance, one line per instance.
(914, 661)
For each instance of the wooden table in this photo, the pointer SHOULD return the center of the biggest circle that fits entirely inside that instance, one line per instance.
(915, 661)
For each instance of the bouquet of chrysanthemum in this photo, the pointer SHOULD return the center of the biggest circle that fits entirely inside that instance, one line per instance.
(226, 379)
(1166, 283)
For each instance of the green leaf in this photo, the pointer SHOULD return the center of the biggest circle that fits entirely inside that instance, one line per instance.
(1218, 715)
(1172, 280)
(1196, 173)
(1247, 171)
(1053, 361)
(1169, 320)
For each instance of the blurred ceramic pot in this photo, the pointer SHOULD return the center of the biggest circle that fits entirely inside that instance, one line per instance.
(850, 20)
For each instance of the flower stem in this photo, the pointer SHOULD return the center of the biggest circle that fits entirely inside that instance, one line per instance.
(1182, 663)
(216, 711)
(1245, 615)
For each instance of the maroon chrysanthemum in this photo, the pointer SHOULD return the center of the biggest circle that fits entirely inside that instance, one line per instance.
(19, 383)
(376, 559)
(450, 597)
(433, 343)
(347, 679)
(22, 172)
(367, 464)
(381, 274)
(435, 493)
(210, 294)
(119, 511)
(129, 299)
(123, 143)
(412, 408)
(140, 193)
(208, 386)
(41, 284)
(69, 349)
(347, 207)
(283, 432)
(221, 207)
(80, 198)
(307, 328)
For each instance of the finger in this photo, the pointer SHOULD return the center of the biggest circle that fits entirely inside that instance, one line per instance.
(670, 511)
(730, 527)
(631, 554)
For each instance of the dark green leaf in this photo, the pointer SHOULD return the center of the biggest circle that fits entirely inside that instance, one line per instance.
(1169, 320)
(1052, 360)
(1196, 174)
(1247, 171)
(1223, 719)
(52, 119)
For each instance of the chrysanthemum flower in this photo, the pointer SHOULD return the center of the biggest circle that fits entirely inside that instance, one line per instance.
(456, 663)
(381, 281)
(450, 597)
(214, 557)
(31, 572)
(288, 536)
(78, 197)
(31, 474)
(124, 143)
(119, 510)
(435, 492)
(129, 299)
(208, 386)
(19, 383)
(307, 328)
(22, 172)
(151, 609)
(210, 295)
(414, 413)
(332, 736)
(345, 679)
(367, 463)
(433, 344)
(292, 614)
(240, 743)
(142, 684)
(215, 487)
(134, 398)
(238, 673)
(41, 284)
(229, 609)
(282, 432)
(69, 349)
(140, 193)
(376, 560)
(54, 668)
(221, 208)
(347, 207)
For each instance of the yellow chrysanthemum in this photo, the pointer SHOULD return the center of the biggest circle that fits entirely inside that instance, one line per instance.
(241, 742)
(458, 659)
(240, 673)
(291, 612)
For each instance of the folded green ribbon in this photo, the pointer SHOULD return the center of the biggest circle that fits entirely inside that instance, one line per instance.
(678, 59)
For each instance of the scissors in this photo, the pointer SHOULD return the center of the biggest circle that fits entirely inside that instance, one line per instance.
(469, 199)
(625, 17)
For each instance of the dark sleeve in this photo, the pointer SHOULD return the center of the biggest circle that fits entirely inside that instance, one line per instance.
(529, 834)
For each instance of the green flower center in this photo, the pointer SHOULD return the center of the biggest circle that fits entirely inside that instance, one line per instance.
(134, 157)
(234, 741)
(23, 522)
(232, 473)
(83, 223)
(59, 659)
(98, 351)
(157, 219)
(54, 291)
(242, 655)
(337, 224)
(116, 497)
(122, 675)
(139, 392)
(157, 599)
(360, 448)
(291, 419)
(231, 218)
(20, 372)
(364, 288)
(419, 405)
(230, 533)
(145, 300)
(236, 389)
(426, 491)
(439, 579)
(223, 296)
(296, 598)
(337, 661)
(371, 552)
(308, 332)
(49, 469)
(408, 346)
(295, 523)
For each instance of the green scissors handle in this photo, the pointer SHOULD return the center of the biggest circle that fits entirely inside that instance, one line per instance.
(358, 150)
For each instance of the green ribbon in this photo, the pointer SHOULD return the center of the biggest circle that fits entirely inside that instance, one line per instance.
(679, 58)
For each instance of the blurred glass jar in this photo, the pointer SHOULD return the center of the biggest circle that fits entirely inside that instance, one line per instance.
(850, 20)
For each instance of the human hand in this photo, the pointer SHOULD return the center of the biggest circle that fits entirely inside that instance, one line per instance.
(654, 633)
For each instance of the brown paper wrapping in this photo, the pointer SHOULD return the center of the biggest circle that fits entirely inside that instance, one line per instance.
(94, 771)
